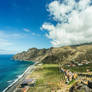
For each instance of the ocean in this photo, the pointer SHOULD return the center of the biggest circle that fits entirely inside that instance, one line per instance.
(10, 70)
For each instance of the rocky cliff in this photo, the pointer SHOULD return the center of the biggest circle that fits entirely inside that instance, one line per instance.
(57, 55)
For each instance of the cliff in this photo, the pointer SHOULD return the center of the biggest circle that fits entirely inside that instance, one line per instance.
(57, 55)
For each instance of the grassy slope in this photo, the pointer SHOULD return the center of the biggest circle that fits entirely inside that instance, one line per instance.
(48, 78)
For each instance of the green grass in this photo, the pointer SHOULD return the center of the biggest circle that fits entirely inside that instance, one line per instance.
(50, 78)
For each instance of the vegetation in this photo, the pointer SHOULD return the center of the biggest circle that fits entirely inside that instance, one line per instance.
(48, 78)
(82, 68)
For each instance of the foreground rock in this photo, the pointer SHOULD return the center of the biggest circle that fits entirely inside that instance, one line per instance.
(65, 54)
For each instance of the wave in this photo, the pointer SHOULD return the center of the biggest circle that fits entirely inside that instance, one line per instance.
(12, 83)
(20, 76)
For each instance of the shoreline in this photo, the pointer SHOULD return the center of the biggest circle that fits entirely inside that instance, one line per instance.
(20, 79)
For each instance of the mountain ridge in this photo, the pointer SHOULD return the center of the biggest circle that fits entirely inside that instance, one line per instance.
(57, 55)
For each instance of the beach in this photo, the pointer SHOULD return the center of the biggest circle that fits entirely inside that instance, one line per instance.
(21, 78)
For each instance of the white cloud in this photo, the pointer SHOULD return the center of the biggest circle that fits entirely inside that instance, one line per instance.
(7, 51)
(6, 45)
(10, 35)
(26, 30)
(33, 33)
(3, 40)
(74, 22)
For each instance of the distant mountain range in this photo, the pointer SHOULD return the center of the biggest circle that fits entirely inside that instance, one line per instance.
(77, 53)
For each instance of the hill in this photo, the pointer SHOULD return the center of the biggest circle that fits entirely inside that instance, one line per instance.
(81, 53)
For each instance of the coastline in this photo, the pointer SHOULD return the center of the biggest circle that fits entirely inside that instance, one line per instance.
(20, 79)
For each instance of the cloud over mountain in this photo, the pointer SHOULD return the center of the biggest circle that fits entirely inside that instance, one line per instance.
(74, 22)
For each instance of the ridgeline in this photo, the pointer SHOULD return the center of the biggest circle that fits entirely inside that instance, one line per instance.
(67, 54)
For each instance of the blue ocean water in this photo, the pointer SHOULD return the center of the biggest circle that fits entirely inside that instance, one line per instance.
(10, 70)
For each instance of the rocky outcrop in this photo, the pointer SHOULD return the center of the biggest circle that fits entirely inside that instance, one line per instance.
(32, 54)
(57, 55)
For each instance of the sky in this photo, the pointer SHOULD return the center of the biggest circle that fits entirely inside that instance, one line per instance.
(20, 22)
(26, 24)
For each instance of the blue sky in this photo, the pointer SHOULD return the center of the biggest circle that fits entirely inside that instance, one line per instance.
(44, 23)
(20, 22)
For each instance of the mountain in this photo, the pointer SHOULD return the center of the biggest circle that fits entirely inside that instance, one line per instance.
(65, 54)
